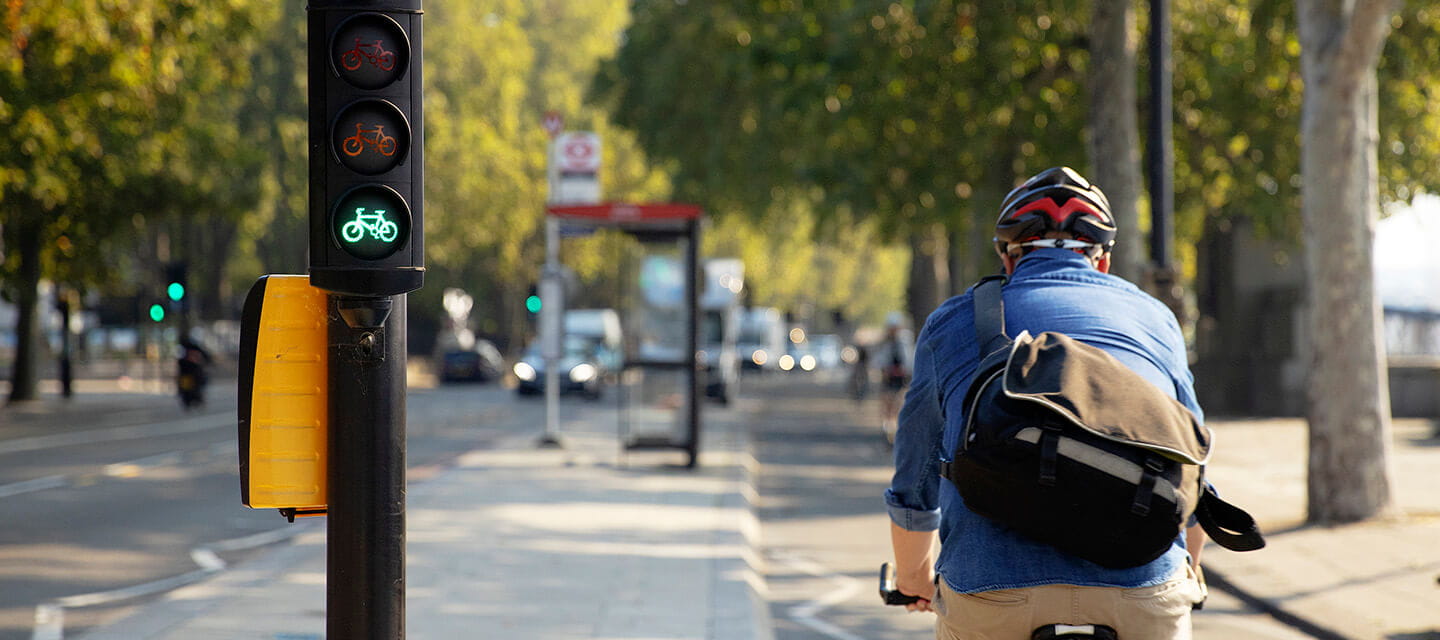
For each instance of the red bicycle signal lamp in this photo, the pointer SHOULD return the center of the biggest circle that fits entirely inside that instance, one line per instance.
(369, 50)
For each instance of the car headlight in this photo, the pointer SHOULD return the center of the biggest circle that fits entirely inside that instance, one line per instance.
(583, 372)
(787, 362)
(807, 362)
(759, 357)
(524, 371)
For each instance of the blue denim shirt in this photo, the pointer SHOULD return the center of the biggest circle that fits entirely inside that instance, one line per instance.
(1051, 290)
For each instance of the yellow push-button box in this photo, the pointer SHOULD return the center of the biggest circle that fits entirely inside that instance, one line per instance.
(283, 397)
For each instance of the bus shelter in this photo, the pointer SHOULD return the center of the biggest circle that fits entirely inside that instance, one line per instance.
(659, 399)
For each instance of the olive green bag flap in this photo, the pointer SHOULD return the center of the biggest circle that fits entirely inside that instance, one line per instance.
(1099, 394)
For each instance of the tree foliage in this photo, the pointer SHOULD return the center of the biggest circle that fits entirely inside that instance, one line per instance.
(140, 132)
(890, 111)
(903, 115)
(112, 113)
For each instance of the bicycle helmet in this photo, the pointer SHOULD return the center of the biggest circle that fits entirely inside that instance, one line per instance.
(1056, 199)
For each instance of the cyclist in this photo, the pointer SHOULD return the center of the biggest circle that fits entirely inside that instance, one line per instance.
(1054, 236)
(894, 356)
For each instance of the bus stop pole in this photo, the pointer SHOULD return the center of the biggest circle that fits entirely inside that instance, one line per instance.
(551, 323)
(692, 338)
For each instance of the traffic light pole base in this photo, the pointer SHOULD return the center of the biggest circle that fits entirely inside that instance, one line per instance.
(549, 441)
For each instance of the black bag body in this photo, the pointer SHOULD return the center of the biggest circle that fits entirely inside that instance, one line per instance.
(1068, 446)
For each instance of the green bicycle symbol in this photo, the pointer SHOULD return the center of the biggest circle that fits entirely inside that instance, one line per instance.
(379, 228)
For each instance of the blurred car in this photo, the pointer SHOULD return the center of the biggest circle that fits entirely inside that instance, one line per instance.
(583, 369)
(761, 343)
(828, 351)
(799, 358)
(480, 363)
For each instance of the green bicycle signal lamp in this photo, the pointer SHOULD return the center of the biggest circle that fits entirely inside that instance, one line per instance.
(176, 291)
(370, 222)
(157, 313)
(533, 304)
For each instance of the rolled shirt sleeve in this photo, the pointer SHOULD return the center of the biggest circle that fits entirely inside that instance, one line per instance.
(913, 499)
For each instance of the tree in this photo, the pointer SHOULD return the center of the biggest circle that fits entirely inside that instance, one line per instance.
(917, 115)
(1114, 137)
(74, 84)
(1348, 408)
(123, 115)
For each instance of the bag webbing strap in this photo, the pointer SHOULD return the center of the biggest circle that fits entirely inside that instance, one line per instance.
(1049, 456)
(989, 307)
(1226, 524)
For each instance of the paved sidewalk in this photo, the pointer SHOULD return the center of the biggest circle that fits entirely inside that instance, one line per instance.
(524, 543)
(1374, 580)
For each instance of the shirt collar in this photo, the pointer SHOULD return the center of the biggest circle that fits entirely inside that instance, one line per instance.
(1045, 259)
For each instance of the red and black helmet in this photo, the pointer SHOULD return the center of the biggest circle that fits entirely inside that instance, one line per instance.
(1056, 199)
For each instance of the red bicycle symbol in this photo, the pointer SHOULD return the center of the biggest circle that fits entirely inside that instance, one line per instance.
(371, 138)
(374, 53)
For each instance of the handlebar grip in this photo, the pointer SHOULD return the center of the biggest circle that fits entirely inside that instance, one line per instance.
(888, 593)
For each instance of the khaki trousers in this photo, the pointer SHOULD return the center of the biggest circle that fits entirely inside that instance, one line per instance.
(1161, 612)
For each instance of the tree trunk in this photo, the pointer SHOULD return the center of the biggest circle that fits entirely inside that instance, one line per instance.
(214, 287)
(929, 272)
(1348, 391)
(1114, 136)
(24, 383)
(997, 179)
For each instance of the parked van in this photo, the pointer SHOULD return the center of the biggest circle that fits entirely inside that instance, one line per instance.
(601, 327)
(720, 326)
(762, 339)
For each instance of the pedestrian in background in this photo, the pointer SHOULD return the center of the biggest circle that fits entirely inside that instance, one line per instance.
(1054, 236)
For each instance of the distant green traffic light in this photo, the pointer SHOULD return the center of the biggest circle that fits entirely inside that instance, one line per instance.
(176, 291)
(157, 312)
(532, 304)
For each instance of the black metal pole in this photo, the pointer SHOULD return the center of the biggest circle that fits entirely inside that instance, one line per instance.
(1160, 151)
(67, 343)
(365, 550)
(692, 339)
(1164, 278)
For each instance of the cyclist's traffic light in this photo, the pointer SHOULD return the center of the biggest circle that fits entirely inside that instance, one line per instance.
(532, 300)
(366, 147)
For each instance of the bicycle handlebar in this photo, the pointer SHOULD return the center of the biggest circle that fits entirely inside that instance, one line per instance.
(888, 593)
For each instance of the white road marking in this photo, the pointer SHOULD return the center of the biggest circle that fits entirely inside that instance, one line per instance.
(50, 616)
(126, 469)
(29, 486)
(115, 434)
(807, 614)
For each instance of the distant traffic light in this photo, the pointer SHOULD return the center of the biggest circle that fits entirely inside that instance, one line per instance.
(532, 301)
(366, 160)
(157, 312)
(175, 283)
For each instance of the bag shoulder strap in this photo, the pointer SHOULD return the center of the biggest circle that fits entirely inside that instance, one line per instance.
(989, 308)
(1228, 525)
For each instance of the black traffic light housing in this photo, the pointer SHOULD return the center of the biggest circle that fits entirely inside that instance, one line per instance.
(366, 147)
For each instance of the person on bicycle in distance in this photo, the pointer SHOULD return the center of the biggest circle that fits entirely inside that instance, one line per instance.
(894, 356)
(1054, 237)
